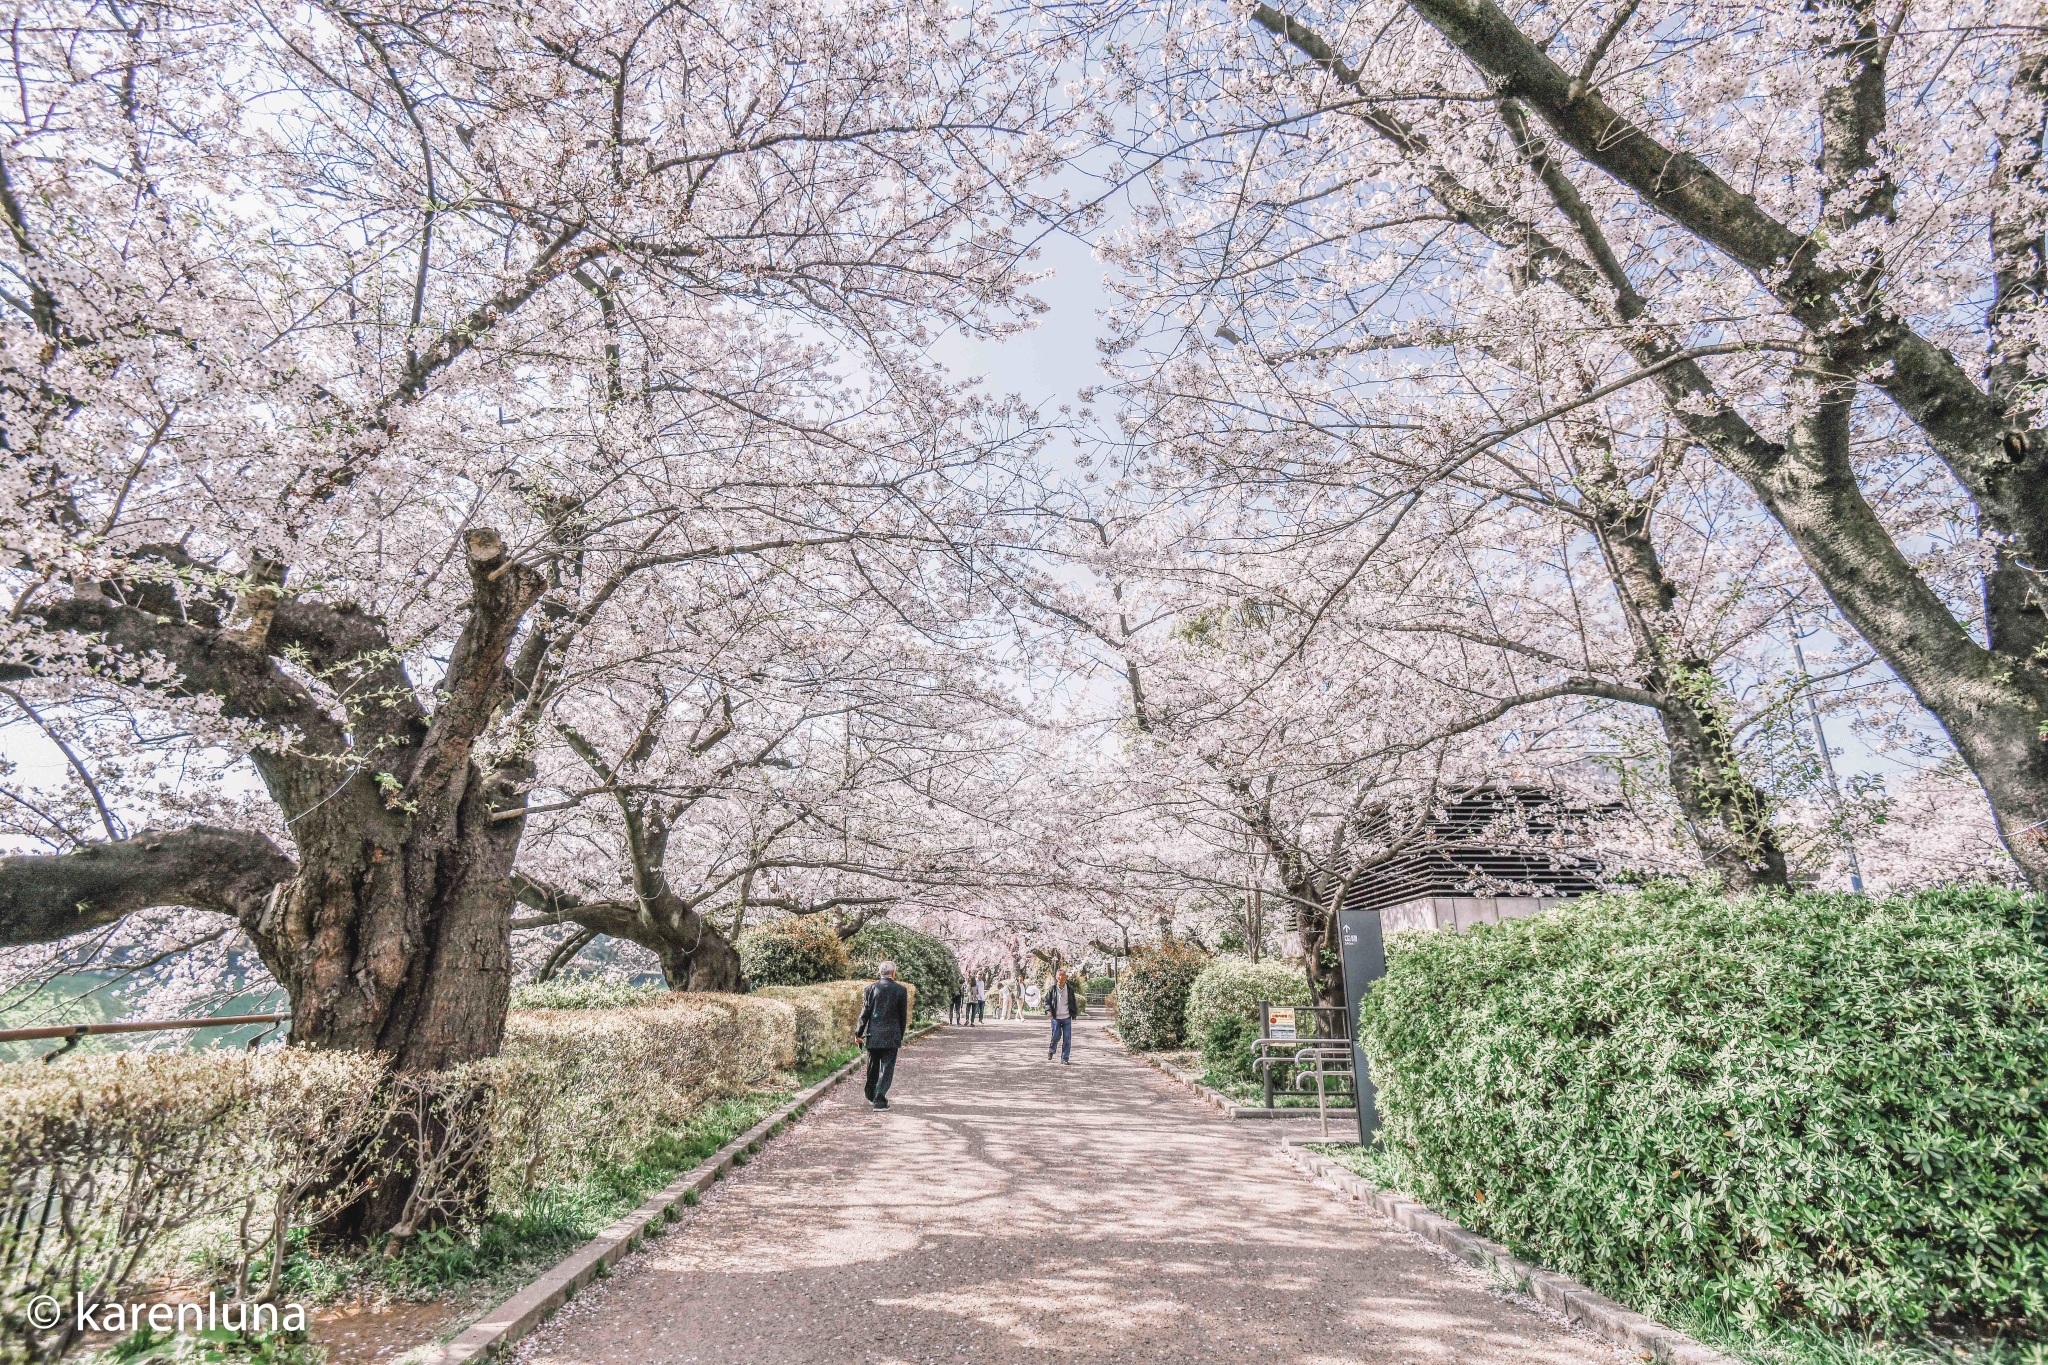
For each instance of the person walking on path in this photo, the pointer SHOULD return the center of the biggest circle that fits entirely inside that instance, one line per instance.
(884, 1019)
(1062, 1006)
(979, 1010)
(953, 1010)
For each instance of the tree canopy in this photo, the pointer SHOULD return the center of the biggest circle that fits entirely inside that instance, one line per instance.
(483, 498)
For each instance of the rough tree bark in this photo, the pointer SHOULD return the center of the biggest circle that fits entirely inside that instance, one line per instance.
(1312, 887)
(44, 898)
(1728, 815)
(694, 955)
(391, 929)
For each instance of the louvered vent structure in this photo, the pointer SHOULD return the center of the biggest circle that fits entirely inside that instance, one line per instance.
(1502, 851)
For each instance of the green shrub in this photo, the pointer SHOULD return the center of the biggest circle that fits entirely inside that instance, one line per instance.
(1812, 1109)
(921, 961)
(583, 993)
(1099, 985)
(1152, 997)
(825, 1017)
(1233, 988)
(1227, 1048)
(802, 950)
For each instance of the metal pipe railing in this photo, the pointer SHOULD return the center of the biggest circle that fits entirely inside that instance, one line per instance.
(71, 1033)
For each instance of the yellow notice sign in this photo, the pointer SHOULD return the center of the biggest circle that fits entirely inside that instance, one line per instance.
(1280, 1021)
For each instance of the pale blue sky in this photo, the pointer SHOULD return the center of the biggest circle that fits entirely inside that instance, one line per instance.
(1050, 364)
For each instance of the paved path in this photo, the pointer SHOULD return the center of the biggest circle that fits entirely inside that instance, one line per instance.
(1006, 1210)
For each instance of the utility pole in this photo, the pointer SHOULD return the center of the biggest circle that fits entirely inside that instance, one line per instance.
(1827, 761)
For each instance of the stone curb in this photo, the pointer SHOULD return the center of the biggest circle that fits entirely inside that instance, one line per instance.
(1231, 1108)
(1215, 1097)
(1606, 1319)
(530, 1307)
(1602, 1315)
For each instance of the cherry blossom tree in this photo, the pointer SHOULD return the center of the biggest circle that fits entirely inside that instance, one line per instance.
(1804, 242)
(824, 748)
(371, 371)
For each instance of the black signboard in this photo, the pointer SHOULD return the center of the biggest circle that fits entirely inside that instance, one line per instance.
(1365, 961)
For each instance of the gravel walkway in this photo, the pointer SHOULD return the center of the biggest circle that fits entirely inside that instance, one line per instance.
(1007, 1210)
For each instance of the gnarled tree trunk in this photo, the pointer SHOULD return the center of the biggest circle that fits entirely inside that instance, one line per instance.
(694, 955)
(391, 930)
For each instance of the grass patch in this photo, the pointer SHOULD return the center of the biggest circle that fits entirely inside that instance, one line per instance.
(817, 1071)
(514, 1244)
(558, 1219)
(146, 1346)
(1374, 1163)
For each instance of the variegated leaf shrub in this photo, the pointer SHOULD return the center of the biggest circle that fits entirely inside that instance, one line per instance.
(1783, 1109)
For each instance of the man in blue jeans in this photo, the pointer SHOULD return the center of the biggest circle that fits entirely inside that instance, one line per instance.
(1062, 1006)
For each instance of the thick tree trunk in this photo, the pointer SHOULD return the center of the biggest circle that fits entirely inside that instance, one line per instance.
(396, 935)
(1314, 912)
(694, 955)
(1729, 815)
(1319, 945)
(704, 961)
(392, 931)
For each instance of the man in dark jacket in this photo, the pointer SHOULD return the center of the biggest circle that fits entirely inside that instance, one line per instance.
(884, 1019)
(1063, 1007)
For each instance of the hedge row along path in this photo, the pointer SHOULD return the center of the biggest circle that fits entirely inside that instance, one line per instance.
(1007, 1210)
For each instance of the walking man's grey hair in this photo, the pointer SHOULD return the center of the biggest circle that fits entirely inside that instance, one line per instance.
(887, 969)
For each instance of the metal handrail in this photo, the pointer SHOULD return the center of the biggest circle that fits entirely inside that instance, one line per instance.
(71, 1033)
(1314, 1059)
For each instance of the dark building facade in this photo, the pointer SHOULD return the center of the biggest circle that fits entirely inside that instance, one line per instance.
(1500, 851)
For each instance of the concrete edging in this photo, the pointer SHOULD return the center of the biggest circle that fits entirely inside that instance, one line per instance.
(1231, 1108)
(1601, 1315)
(535, 1304)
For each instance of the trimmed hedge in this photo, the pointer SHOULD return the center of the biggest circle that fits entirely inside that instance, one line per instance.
(1152, 995)
(922, 962)
(1223, 1010)
(583, 993)
(1808, 1108)
(803, 950)
(576, 1090)
(117, 1171)
(825, 1016)
(1232, 987)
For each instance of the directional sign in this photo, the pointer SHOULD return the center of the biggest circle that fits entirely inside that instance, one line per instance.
(1364, 954)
